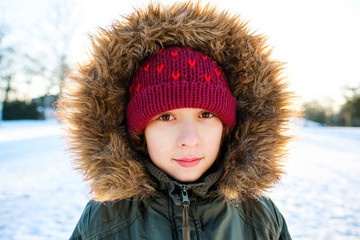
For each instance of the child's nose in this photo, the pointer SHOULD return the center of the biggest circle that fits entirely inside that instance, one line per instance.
(188, 135)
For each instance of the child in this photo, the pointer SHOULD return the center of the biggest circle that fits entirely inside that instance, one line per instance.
(178, 122)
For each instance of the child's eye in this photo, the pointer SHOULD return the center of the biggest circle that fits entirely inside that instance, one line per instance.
(166, 117)
(206, 115)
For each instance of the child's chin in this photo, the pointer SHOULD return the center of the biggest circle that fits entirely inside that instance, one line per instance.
(187, 179)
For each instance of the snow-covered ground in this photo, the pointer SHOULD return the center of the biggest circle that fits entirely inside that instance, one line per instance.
(41, 197)
(320, 195)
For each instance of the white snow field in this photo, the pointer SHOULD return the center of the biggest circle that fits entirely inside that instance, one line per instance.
(41, 197)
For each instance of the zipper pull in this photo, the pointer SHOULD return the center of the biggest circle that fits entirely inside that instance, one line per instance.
(184, 195)
(185, 202)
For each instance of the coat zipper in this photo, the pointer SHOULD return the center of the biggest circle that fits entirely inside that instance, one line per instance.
(185, 202)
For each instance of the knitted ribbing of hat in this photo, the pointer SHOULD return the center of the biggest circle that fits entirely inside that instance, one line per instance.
(178, 77)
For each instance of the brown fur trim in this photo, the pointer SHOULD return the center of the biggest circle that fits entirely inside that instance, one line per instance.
(96, 95)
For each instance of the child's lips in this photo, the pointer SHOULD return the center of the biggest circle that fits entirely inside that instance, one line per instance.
(188, 162)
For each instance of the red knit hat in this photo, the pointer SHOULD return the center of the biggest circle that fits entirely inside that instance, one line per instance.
(178, 77)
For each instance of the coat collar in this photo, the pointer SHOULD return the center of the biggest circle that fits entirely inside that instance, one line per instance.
(202, 188)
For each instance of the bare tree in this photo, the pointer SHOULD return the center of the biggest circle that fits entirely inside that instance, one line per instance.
(49, 59)
(6, 61)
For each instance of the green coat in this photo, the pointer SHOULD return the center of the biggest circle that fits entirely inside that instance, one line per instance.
(161, 217)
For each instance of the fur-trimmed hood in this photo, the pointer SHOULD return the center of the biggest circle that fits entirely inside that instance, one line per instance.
(95, 97)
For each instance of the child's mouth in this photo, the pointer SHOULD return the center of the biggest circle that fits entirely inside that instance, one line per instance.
(188, 162)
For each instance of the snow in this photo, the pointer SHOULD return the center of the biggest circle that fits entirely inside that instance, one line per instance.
(320, 195)
(41, 197)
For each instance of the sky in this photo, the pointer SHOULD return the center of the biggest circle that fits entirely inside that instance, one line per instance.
(317, 39)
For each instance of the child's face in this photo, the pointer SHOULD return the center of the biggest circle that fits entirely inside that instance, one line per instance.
(185, 142)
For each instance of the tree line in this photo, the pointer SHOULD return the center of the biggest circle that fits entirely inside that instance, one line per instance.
(347, 115)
